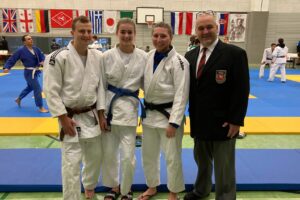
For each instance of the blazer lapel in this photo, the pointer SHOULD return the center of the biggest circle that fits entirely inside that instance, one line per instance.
(193, 63)
(214, 55)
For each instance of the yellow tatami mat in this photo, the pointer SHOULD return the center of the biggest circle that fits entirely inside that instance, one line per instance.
(292, 77)
(48, 126)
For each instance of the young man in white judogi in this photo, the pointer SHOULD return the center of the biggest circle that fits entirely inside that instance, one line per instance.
(75, 94)
(266, 59)
(166, 86)
(124, 68)
(279, 60)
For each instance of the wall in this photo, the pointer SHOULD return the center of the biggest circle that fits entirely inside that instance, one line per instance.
(284, 25)
(256, 35)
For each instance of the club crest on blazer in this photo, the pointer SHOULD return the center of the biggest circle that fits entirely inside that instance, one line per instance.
(221, 76)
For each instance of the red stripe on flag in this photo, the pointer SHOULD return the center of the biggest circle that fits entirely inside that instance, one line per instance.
(26, 21)
(180, 23)
(43, 27)
(189, 23)
(225, 23)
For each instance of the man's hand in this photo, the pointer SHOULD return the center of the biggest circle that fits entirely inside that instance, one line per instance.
(102, 121)
(68, 125)
(233, 129)
(170, 131)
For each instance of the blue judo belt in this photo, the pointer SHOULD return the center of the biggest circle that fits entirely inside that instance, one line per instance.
(120, 92)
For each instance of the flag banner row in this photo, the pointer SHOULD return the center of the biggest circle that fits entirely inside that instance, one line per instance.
(40, 21)
(233, 25)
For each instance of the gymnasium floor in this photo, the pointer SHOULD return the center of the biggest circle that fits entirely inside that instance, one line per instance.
(283, 133)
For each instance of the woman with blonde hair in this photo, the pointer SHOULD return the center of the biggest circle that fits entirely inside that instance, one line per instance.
(124, 68)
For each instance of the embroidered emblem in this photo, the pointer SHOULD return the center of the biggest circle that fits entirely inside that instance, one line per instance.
(221, 76)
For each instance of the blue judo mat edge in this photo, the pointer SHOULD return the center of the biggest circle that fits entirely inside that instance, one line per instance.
(38, 170)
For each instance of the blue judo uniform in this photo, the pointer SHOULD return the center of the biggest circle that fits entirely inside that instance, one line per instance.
(29, 61)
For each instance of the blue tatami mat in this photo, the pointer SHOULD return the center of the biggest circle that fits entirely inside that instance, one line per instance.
(272, 99)
(38, 170)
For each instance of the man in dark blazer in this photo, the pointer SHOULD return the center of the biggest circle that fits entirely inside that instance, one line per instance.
(219, 91)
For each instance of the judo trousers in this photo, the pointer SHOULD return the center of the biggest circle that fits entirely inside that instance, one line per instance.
(154, 140)
(88, 152)
(119, 144)
(274, 69)
(32, 85)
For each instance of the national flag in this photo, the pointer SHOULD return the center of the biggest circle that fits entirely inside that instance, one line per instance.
(176, 22)
(26, 20)
(126, 14)
(42, 21)
(9, 20)
(110, 21)
(96, 19)
(61, 18)
(222, 21)
(190, 23)
(82, 12)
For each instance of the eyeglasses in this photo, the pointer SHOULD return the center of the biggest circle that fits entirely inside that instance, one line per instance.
(207, 12)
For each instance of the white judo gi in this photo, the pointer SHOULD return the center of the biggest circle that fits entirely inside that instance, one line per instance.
(121, 71)
(266, 59)
(70, 83)
(169, 83)
(279, 59)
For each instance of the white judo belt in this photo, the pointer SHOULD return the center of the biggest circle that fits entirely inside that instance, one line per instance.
(34, 69)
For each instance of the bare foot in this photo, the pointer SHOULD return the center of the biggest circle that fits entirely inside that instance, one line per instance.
(173, 196)
(18, 101)
(148, 194)
(43, 110)
(89, 194)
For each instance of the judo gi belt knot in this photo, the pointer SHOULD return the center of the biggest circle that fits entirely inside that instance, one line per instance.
(77, 111)
(120, 92)
(159, 107)
(34, 70)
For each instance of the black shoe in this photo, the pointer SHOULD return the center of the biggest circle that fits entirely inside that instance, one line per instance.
(191, 196)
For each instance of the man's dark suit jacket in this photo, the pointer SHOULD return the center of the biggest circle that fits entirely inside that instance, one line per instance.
(220, 94)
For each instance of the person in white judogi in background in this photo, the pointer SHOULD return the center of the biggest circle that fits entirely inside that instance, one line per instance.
(166, 87)
(73, 85)
(95, 44)
(124, 68)
(279, 60)
(266, 59)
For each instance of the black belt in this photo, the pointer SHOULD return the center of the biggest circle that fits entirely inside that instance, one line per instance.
(269, 58)
(159, 107)
(76, 111)
(280, 56)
